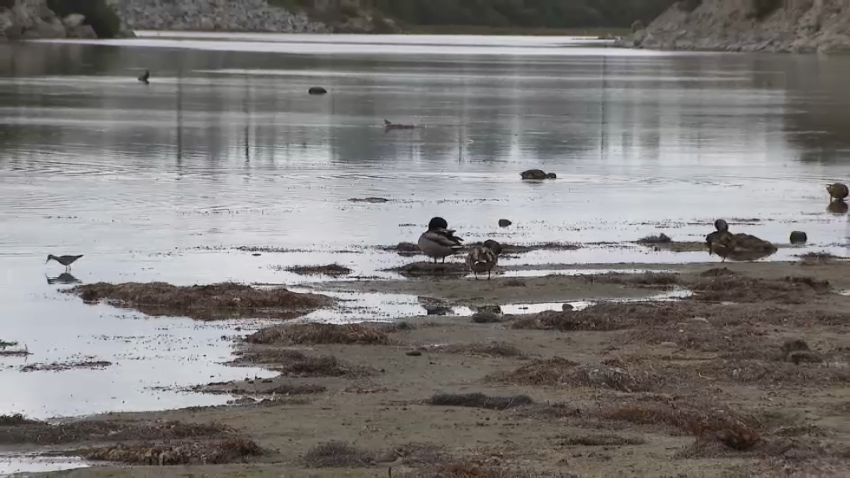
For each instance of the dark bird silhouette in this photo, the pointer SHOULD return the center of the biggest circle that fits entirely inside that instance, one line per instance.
(64, 260)
(145, 77)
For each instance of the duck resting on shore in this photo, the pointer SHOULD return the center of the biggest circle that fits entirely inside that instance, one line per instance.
(439, 241)
(483, 258)
(738, 247)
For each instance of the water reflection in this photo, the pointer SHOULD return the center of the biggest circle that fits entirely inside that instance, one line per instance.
(837, 207)
(63, 278)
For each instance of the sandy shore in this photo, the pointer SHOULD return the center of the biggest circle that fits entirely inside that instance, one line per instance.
(748, 376)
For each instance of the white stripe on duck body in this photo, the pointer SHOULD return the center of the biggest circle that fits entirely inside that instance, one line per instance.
(483, 258)
(439, 242)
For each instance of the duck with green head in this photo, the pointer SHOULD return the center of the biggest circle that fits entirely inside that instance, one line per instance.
(439, 242)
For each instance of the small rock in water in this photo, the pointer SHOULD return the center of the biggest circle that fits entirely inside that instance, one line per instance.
(799, 237)
(537, 174)
(493, 309)
(567, 307)
(317, 90)
(256, 254)
(486, 318)
(504, 223)
(414, 353)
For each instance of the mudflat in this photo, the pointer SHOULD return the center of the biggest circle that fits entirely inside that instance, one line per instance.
(743, 373)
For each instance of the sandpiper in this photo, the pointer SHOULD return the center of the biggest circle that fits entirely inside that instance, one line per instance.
(64, 260)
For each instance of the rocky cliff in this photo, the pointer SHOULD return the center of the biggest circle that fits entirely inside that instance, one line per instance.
(799, 26)
(31, 19)
(212, 15)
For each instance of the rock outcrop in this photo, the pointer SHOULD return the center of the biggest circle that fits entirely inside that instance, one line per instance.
(212, 15)
(32, 19)
(798, 26)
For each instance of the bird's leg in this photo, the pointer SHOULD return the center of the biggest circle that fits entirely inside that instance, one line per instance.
(390, 472)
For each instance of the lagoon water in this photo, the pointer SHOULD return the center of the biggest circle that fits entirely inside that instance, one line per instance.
(225, 149)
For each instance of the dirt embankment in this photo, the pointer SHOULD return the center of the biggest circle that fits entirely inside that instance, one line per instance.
(747, 377)
(798, 26)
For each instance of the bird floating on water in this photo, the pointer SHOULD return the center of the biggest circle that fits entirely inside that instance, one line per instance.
(145, 77)
(64, 260)
(484, 257)
(838, 191)
(439, 241)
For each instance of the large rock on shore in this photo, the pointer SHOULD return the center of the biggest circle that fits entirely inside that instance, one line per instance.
(799, 26)
(32, 19)
(213, 15)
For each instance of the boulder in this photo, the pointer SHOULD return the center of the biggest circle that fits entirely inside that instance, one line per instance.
(798, 237)
(504, 223)
(537, 174)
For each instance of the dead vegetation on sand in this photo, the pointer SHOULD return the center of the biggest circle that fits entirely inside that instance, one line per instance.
(602, 439)
(337, 454)
(203, 302)
(234, 450)
(18, 430)
(333, 270)
(294, 363)
(656, 239)
(707, 420)
(558, 371)
(736, 288)
(313, 334)
(648, 279)
(604, 316)
(492, 349)
(260, 387)
(479, 400)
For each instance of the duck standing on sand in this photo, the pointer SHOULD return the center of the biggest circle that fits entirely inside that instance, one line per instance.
(483, 258)
(838, 191)
(439, 241)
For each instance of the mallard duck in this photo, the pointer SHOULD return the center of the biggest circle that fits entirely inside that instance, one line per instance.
(722, 229)
(145, 77)
(439, 241)
(64, 260)
(837, 191)
(482, 258)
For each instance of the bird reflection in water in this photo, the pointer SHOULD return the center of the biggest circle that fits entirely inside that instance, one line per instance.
(838, 207)
(63, 278)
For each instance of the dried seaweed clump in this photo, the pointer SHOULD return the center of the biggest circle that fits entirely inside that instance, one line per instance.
(313, 334)
(558, 371)
(606, 316)
(333, 270)
(191, 453)
(204, 302)
(735, 288)
(337, 454)
(479, 400)
(30, 431)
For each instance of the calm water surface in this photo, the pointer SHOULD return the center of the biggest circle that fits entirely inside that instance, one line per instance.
(224, 149)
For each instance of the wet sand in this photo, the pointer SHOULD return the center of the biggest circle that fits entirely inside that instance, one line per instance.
(716, 384)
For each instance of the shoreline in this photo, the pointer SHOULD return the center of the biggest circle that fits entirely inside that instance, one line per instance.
(381, 378)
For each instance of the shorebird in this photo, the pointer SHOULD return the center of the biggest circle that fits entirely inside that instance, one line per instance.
(482, 258)
(64, 260)
(145, 77)
(439, 241)
(394, 457)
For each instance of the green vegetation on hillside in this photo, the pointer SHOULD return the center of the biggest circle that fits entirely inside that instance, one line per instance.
(99, 15)
(516, 13)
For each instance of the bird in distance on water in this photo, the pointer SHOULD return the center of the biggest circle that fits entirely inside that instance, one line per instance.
(64, 260)
(439, 241)
(145, 77)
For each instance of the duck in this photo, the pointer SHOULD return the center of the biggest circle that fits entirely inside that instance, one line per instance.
(838, 191)
(484, 257)
(145, 77)
(390, 125)
(439, 242)
(721, 231)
